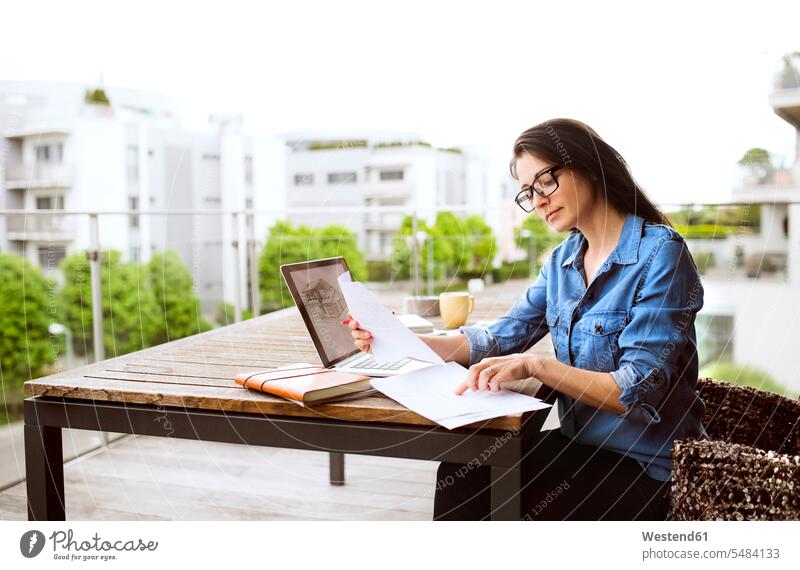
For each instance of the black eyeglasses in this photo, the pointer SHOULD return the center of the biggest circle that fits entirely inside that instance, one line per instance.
(544, 184)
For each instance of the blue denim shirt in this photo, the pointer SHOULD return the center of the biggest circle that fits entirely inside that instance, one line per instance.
(635, 321)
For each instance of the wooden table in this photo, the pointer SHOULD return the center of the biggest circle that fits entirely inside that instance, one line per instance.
(185, 389)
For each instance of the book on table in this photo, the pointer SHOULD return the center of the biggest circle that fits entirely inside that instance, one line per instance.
(306, 384)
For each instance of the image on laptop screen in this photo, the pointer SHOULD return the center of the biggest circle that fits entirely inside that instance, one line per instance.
(316, 291)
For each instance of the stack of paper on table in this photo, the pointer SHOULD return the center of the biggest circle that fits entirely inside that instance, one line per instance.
(430, 392)
(415, 323)
(391, 339)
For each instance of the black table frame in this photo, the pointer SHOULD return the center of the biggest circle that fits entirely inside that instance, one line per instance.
(45, 416)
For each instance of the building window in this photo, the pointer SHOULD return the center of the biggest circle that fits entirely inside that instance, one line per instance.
(133, 163)
(133, 204)
(51, 153)
(391, 175)
(342, 178)
(248, 203)
(303, 179)
(248, 170)
(135, 254)
(50, 256)
(50, 202)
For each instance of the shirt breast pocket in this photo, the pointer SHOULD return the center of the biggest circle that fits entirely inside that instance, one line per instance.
(598, 341)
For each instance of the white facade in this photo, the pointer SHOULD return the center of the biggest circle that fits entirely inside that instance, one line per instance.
(60, 153)
(764, 310)
(385, 169)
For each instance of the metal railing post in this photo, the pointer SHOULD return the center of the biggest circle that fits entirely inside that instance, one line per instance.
(431, 263)
(415, 252)
(240, 258)
(95, 256)
(255, 293)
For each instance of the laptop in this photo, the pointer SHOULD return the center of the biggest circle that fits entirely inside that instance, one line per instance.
(314, 286)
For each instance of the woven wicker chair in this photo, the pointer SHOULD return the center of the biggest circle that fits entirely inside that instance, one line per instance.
(749, 468)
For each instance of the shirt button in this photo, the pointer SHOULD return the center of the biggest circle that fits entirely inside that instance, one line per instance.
(598, 328)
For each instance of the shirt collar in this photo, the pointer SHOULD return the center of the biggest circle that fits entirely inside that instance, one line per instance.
(627, 250)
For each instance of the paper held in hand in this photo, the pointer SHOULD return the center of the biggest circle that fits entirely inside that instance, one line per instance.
(430, 392)
(391, 338)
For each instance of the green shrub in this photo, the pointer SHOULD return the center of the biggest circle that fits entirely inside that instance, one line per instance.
(96, 97)
(536, 237)
(28, 307)
(130, 314)
(395, 144)
(341, 144)
(704, 260)
(289, 244)
(226, 314)
(379, 271)
(179, 313)
(705, 231)
(519, 270)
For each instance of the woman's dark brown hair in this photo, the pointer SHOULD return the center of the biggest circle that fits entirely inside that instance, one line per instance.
(576, 145)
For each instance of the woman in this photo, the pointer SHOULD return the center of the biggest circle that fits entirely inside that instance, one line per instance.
(619, 297)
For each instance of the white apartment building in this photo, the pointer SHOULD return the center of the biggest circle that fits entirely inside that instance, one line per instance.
(761, 313)
(330, 172)
(60, 153)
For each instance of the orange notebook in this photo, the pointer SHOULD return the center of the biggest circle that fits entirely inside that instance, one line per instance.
(306, 384)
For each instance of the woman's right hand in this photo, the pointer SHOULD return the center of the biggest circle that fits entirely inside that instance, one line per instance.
(362, 338)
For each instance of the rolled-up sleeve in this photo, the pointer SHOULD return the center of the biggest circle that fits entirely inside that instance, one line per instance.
(519, 329)
(660, 330)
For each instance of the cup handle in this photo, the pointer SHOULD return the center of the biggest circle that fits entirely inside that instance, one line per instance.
(471, 304)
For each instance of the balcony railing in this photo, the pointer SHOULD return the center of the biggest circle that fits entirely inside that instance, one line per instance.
(55, 226)
(27, 175)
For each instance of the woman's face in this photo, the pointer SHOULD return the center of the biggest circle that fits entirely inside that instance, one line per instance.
(574, 198)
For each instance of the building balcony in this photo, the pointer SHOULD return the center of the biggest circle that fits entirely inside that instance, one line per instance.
(775, 185)
(785, 99)
(41, 227)
(39, 175)
(387, 188)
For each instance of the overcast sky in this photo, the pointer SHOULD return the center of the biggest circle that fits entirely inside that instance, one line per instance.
(680, 90)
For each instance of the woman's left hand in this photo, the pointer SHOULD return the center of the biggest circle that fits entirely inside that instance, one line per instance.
(490, 373)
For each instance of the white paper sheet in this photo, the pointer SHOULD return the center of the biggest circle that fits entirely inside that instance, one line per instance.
(430, 392)
(391, 339)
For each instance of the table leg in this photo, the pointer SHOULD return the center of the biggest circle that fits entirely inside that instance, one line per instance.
(44, 473)
(506, 502)
(336, 468)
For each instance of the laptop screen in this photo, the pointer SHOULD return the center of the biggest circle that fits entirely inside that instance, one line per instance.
(315, 289)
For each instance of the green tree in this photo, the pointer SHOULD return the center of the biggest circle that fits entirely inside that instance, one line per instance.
(26, 348)
(759, 163)
(130, 314)
(464, 246)
(535, 237)
(226, 314)
(402, 259)
(338, 241)
(481, 245)
(289, 244)
(449, 229)
(96, 97)
(179, 313)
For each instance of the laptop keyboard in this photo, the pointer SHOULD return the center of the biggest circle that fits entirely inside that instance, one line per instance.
(369, 362)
